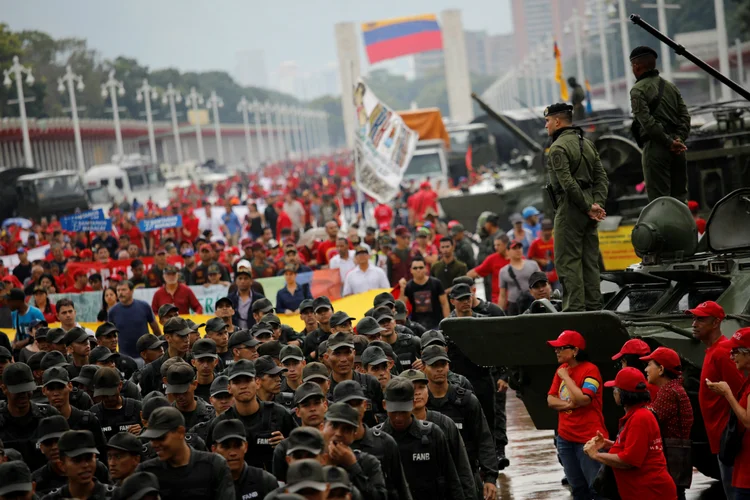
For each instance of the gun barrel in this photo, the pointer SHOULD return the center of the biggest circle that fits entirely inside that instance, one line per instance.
(682, 51)
(531, 143)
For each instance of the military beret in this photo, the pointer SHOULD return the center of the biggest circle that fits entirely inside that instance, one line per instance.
(557, 108)
(643, 51)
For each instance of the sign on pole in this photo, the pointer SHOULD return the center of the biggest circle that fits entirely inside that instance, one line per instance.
(383, 145)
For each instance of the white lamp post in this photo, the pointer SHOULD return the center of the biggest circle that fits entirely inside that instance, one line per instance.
(68, 80)
(217, 102)
(256, 108)
(113, 88)
(145, 94)
(243, 107)
(17, 71)
(274, 154)
(170, 97)
(194, 100)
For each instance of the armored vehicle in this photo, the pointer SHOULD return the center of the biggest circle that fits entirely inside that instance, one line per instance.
(678, 272)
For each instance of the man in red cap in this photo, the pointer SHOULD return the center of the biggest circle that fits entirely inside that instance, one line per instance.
(383, 214)
(717, 365)
(631, 355)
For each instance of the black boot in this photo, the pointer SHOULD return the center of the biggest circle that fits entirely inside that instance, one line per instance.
(502, 460)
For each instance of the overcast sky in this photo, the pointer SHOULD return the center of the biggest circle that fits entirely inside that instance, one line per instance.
(205, 35)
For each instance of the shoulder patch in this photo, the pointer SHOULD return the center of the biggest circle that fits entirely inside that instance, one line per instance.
(591, 384)
(556, 158)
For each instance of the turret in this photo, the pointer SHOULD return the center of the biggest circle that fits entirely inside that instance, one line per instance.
(665, 230)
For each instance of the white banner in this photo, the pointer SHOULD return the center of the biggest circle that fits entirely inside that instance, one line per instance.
(38, 253)
(383, 146)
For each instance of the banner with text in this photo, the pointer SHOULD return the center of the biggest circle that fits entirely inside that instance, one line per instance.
(160, 223)
(383, 146)
(91, 220)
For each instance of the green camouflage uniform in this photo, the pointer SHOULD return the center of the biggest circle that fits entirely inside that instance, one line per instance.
(576, 99)
(665, 173)
(578, 183)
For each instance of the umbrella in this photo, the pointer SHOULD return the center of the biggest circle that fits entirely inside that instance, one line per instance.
(17, 221)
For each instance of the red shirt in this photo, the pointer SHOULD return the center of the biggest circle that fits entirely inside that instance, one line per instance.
(323, 252)
(383, 214)
(540, 249)
(580, 424)
(492, 265)
(714, 407)
(283, 222)
(639, 444)
(184, 299)
(741, 472)
(135, 236)
(73, 289)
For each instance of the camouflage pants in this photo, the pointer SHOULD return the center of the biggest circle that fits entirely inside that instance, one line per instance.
(665, 173)
(577, 258)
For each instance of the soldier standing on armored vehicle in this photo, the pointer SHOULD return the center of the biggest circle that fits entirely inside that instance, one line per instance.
(576, 99)
(661, 125)
(578, 185)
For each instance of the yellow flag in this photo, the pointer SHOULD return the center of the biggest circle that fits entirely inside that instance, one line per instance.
(559, 78)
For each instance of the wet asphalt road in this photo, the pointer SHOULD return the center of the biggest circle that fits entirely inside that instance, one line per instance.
(535, 473)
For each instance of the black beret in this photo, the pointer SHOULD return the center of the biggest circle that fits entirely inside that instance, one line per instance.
(557, 108)
(643, 51)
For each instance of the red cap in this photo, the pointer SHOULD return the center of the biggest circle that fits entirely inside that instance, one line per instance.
(245, 242)
(86, 254)
(384, 227)
(206, 246)
(425, 184)
(692, 205)
(160, 250)
(628, 379)
(667, 358)
(453, 223)
(569, 337)
(79, 272)
(633, 346)
(708, 309)
(741, 338)
(258, 246)
(401, 231)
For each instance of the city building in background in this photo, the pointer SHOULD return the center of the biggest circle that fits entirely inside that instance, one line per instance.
(251, 68)
(486, 55)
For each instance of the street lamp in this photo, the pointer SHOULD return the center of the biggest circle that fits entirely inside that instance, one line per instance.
(146, 93)
(244, 107)
(113, 88)
(257, 109)
(324, 129)
(17, 71)
(280, 132)
(68, 80)
(194, 100)
(302, 119)
(170, 97)
(625, 42)
(298, 131)
(274, 153)
(575, 21)
(217, 102)
(661, 12)
(603, 49)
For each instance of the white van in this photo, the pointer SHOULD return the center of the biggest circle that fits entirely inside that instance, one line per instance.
(128, 178)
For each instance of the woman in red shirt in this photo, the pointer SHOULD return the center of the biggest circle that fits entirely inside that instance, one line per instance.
(577, 397)
(636, 456)
(671, 405)
(739, 346)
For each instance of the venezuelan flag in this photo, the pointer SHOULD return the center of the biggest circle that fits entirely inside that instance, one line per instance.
(589, 108)
(401, 36)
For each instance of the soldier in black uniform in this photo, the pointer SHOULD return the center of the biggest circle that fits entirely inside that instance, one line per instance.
(115, 412)
(341, 322)
(405, 346)
(268, 378)
(318, 373)
(452, 434)
(424, 450)
(266, 423)
(376, 364)
(181, 384)
(243, 345)
(401, 316)
(387, 300)
(205, 361)
(260, 308)
(436, 337)
(19, 416)
(369, 328)
(106, 336)
(293, 359)
(490, 384)
(184, 473)
(195, 437)
(220, 398)
(143, 485)
(231, 443)
(78, 454)
(77, 342)
(306, 479)
(83, 383)
(373, 441)
(340, 357)
(341, 424)
(52, 475)
(323, 310)
(124, 452)
(464, 408)
(176, 332)
(104, 358)
(479, 306)
(57, 389)
(150, 349)
(16, 482)
(218, 331)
